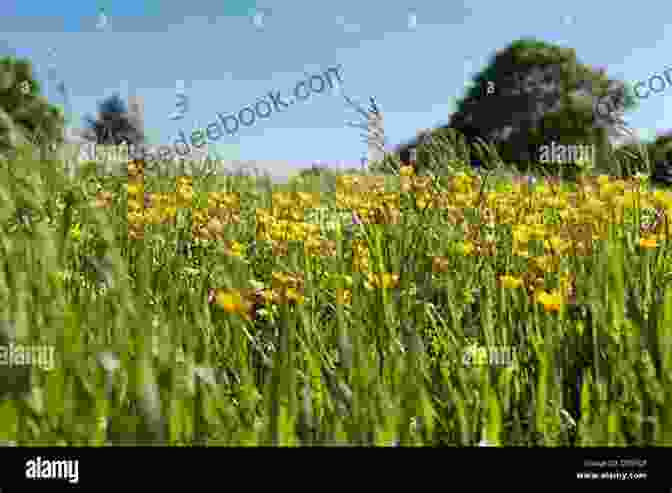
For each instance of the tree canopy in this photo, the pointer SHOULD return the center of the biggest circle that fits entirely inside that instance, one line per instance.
(533, 93)
(114, 124)
(25, 115)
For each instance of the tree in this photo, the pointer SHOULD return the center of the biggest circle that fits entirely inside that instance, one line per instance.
(660, 154)
(533, 93)
(25, 116)
(114, 125)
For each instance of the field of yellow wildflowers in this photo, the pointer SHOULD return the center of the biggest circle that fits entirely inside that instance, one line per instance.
(209, 310)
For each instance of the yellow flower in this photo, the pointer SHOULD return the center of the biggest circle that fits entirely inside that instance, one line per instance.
(545, 263)
(293, 295)
(153, 216)
(537, 231)
(406, 171)
(233, 249)
(267, 295)
(648, 243)
(136, 188)
(312, 245)
(595, 207)
(281, 279)
(184, 181)
(135, 168)
(384, 280)
(185, 197)
(422, 199)
(308, 199)
(135, 206)
(296, 231)
(103, 200)
(343, 296)
(557, 244)
(232, 301)
(510, 282)
(135, 218)
(462, 183)
(466, 248)
(551, 301)
(169, 212)
(521, 234)
(663, 198)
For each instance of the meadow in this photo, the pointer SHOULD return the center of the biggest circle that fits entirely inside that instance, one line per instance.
(223, 310)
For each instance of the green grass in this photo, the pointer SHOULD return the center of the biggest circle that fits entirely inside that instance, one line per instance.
(142, 358)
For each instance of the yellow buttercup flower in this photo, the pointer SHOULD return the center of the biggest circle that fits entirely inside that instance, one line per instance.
(135, 187)
(557, 245)
(551, 301)
(293, 295)
(233, 249)
(384, 280)
(466, 248)
(406, 171)
(510, 282)
(232, 301)
(648, 243)
(343, 296)
(602, 180)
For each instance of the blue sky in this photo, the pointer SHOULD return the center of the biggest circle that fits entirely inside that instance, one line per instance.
(226, 62)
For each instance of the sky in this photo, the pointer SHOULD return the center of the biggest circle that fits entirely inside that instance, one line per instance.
(416, 58)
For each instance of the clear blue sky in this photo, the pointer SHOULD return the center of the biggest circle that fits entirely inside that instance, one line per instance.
(227, 62)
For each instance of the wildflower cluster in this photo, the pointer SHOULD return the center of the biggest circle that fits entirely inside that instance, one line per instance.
(547, 223)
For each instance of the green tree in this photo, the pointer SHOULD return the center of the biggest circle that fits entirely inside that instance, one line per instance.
(26, 117)
(660, 155)
(114, 125)
(533, 93)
